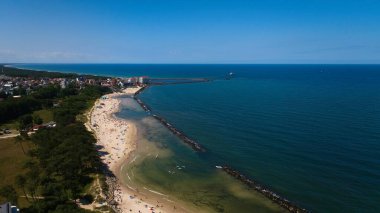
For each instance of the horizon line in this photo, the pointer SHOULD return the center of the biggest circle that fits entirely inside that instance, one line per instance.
(125, 63)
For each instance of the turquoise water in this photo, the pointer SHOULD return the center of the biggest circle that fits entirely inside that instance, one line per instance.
(309, 132)
(162, 164)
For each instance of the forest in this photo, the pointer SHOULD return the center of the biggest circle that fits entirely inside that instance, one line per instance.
(63, 160)
(16, 72)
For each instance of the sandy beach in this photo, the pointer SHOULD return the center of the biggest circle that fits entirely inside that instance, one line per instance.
(117, 139)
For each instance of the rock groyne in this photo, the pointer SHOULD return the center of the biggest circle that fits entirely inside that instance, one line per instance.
(196, 146)
(283, 202)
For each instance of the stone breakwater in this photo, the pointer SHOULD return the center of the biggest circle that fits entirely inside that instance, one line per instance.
(166, 81)
(264, 191)
(181, 135)
(286, 204)
(196, 146)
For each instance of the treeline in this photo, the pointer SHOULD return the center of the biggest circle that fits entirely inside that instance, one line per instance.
(13, 108)
(43, 97)
(74, 105)
(16, 72)
(63, 159)
(26, 73)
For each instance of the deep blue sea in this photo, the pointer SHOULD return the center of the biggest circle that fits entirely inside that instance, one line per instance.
(309, 132)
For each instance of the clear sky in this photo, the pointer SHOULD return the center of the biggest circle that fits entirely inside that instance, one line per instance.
(204, 31)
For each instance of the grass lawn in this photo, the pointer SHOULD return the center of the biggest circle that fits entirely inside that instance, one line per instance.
(12, 160)
(12, 157)
(45, 114)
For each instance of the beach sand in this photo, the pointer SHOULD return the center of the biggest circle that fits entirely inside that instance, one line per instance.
(117, 139)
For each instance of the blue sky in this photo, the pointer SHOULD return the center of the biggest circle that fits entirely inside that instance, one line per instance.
(204, 31)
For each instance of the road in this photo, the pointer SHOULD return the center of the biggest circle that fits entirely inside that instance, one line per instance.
(12, 135)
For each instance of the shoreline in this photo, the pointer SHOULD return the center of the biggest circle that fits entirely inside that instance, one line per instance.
(60, 71)
(117, 140)
(265, 191)
(121, 193)
(113, 166)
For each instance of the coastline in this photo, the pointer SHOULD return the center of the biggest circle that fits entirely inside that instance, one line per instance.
(253, 184)
(52, 71)
(116, 140)
(263, 180)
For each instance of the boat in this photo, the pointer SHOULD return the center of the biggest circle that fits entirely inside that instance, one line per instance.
(230, 75)
(218, 167)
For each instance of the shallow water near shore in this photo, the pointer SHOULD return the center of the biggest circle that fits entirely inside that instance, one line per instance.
(163, 166)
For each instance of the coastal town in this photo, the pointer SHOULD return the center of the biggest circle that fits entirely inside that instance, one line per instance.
(189, 106)
(38, 102)
(31, 101)
(115, 138)
(16, 87)
(21, 86)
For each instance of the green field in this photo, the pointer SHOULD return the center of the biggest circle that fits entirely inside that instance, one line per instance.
(12, 160)
(45, 114)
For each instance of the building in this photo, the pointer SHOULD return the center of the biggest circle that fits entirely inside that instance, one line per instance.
(8, 208)
(4, 77)
(8, 88)
(113, 82)
(91, 81)
(50, 124)
(63, 84)
(143, 80)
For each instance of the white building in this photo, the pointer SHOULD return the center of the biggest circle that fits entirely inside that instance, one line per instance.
(63, 84)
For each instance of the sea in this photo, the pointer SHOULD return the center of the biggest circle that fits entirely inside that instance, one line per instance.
(310, 133)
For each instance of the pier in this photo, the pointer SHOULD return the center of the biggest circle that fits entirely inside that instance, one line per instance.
(165, 81)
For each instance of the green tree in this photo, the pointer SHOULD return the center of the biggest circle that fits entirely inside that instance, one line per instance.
(63, 158)
(19, 91)
(32, 178)
(37, 120)
(21, 182)
(24, 135)
(69, 91)
(3, 94)
(48, 92)
(9, 193)
(26, 121)
(11, 108)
